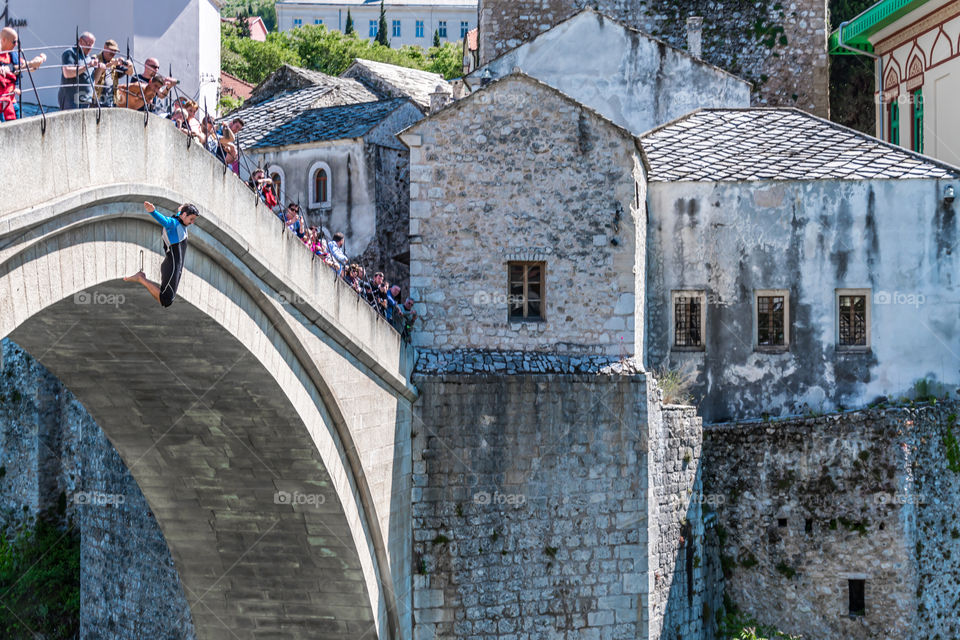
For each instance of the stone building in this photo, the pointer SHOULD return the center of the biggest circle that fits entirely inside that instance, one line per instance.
(783, 269)
(394, 81)
(633, 79)
(329, 144)
(781, 48)
(475, 202)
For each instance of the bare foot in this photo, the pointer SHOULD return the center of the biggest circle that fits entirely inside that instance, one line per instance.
(139, 276)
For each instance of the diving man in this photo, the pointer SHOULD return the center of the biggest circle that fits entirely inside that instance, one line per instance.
(175, 246)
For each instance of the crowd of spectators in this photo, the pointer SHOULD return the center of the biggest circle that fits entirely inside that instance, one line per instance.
(109, 80)
(374, 290)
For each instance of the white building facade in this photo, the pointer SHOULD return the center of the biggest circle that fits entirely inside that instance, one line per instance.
(411, 22)
(184, 35)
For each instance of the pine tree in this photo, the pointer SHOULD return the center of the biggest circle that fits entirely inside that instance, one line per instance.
(382, 27)
(349, 29)
(243, 26)
(436, 38)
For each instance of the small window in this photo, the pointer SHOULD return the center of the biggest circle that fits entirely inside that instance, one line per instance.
(689, 319)
(419, 28)
(319, 188)
(442, 28)
(396, 28)
(782, 523)
(772, 319)
(318, 21)
(853, 319)
(373, 28)
(894, 120)
(277, 186)
(298, 22)
(856, 590)
(464, 28)
(918, 120)
(526, 287)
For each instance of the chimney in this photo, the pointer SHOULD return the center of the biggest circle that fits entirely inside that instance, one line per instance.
(695, 36)
(439, 99)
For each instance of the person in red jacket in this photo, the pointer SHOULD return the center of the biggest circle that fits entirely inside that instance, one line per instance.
(10, 69)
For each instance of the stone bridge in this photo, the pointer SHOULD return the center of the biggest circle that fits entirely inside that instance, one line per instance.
(265, 415)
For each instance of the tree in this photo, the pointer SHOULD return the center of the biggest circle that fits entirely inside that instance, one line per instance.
(243, 25)
(436, 38)
(851, 76)
(382, 27)
(349, 28)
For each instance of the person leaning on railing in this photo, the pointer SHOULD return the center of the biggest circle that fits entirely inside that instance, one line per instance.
(106, 79)
(76, 80)
(10, 69)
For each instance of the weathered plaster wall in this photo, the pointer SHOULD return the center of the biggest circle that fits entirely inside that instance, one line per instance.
(780, 47)
(805, 505)
(632, 79)
(51, 446)
(350, 184)
(896, 238)
(518, 172)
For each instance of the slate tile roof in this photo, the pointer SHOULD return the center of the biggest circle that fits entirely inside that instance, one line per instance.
(330, 123)
(394, 81)
(290, 78)
(729, 145)
(472, 4)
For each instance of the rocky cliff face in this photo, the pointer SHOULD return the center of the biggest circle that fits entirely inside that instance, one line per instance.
(54, 459)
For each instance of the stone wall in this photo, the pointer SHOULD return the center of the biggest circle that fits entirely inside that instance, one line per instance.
(807, 505)
(51, 447)
(390, 249)
(780, 47)
(531, 510)
(519, 172)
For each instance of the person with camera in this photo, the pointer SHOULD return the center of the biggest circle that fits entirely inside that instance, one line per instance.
(76, 74)
(10, 69)
(106, 80)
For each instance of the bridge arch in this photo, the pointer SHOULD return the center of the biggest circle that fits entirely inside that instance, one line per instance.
(218, 456)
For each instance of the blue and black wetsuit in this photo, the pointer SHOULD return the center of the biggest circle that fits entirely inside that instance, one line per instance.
(175, 247)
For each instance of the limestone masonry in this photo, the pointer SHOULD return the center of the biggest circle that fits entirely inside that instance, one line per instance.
(781, 47)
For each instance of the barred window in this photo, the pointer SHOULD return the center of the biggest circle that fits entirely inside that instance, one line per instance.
(526, 282)
(770, 320)
(852, 327)
(689, 314)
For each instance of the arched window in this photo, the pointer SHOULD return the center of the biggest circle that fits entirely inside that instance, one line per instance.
(320, 184)
(275, 173)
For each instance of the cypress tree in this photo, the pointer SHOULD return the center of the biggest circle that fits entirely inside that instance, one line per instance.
(382, 27)
(243, 27)
(349, 28)
(436, 38)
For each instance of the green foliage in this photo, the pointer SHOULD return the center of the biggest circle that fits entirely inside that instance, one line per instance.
(851, 77)
(40, 582)
(952, 448)
(243, 27)
(314, 47)
(440, 539)
(749, 561)
(786, 569)
(735, 626)
(228, 104)
(551, 551)
(349, 28)
(266, 9)
(436, 38)
(675, 384)
(382, 27)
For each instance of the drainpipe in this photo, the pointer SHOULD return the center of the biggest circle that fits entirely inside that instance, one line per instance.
(879, 60)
